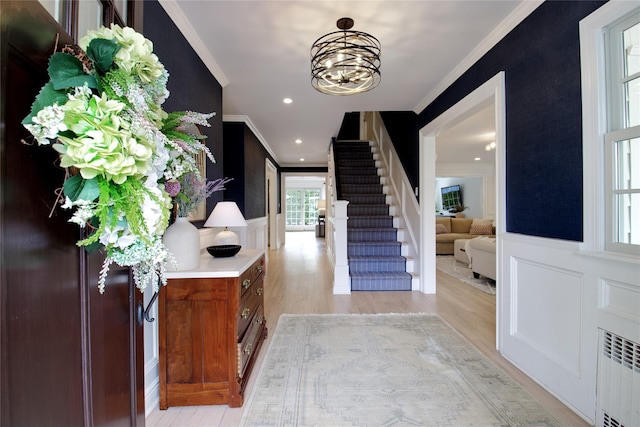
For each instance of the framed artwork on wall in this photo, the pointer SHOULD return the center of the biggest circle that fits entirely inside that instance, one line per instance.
(200, 212)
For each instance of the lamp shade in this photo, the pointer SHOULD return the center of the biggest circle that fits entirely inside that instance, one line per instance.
(226, 214)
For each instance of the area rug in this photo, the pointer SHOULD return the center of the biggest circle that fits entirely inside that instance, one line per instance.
(448, 265)
(382, 370)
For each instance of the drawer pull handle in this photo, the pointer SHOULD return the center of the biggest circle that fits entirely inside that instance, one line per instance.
(247, 349)
(259, 320)
(245, 313)
(246, 283)
(259, 268)
(259, 291)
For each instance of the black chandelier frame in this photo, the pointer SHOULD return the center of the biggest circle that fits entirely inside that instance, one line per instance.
(345, 62)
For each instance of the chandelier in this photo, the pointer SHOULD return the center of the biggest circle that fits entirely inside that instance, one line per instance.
(345, 62)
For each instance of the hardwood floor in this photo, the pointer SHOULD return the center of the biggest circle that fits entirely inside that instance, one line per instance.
(299, 280)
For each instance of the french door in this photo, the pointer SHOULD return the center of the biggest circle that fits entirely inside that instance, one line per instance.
(302, 209)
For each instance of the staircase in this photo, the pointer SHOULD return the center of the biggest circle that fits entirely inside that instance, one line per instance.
(374, 252)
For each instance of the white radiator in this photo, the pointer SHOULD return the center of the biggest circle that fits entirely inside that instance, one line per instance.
(618, 388)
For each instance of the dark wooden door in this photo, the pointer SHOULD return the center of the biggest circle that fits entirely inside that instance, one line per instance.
(69, 356)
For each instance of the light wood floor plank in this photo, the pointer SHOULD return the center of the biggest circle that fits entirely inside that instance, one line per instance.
(299, 281)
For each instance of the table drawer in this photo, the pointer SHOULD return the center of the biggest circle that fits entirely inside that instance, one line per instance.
(250, 341)
(250, 302)
(251, 275)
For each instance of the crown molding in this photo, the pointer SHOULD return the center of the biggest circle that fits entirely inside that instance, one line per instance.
(246, 120)
(187, 30)
(516, 17)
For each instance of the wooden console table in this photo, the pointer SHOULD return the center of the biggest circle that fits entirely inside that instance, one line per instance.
(211, 326)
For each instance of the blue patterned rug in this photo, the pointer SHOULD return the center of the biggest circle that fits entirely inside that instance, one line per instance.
(382, 370)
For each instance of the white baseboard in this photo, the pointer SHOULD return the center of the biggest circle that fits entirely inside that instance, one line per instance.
(152, 386)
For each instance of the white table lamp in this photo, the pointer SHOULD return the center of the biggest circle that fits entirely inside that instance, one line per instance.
(226, 214)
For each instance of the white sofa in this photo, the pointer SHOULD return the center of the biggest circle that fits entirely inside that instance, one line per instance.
(482, 253)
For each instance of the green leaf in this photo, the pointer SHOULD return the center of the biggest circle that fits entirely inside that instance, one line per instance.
(47, 97)
(92, 247)
(93, 224)
(102, 52)
(76, 188)
(66, 72)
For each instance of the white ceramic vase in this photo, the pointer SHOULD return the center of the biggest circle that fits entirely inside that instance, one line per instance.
(182, 240)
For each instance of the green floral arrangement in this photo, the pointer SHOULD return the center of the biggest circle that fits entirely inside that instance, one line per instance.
(101, 111)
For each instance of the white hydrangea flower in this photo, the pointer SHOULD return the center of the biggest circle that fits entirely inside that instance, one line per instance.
(47, 124)
(119, 237)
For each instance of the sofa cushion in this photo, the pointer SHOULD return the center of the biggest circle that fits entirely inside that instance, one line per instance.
(481, 221)
(446, 221)
(451, 237)
(440, 229)
(481, 229)
(461, 225)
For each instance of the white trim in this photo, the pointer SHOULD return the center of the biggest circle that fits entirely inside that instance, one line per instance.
(271, 210)
(246, 120)
(152, 386)
(594, 118)
(189, 33)
(492, 90)
(516, 17)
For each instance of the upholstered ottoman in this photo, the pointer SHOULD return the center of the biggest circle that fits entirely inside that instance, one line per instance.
(483, 257)
(459, 252)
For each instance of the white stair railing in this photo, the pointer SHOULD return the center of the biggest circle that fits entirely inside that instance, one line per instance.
(341, 278)
(336, 233)
(400, 193)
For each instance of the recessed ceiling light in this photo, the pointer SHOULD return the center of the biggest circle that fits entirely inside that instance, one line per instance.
(298, 141)
(477, 159)
(301, 159)
(287, 100)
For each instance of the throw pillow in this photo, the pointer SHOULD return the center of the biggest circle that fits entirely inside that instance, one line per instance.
(480, 229)
(480, 221)
(440, 228)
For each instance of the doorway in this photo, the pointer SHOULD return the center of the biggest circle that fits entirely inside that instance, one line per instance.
(302, 196)
(301, 208)
(491, 93)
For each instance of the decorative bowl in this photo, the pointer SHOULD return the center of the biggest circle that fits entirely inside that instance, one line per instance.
(222, 251)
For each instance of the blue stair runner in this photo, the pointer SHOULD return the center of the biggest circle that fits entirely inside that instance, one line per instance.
(375, 260)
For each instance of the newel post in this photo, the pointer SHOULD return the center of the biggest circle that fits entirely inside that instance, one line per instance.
(341, 280)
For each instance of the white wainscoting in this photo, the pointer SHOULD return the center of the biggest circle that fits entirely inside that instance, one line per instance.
(151, 357)
(555, 298)
(558, 292)
(253, 236)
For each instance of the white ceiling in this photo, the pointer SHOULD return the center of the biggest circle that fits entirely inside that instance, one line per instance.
(259, 52)
(465, 141)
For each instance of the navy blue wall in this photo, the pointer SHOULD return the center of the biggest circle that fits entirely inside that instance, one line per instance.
(401, 127)
(350, 127)
(244, 161)
(234, 164)
(191, 84)
(541, 61)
